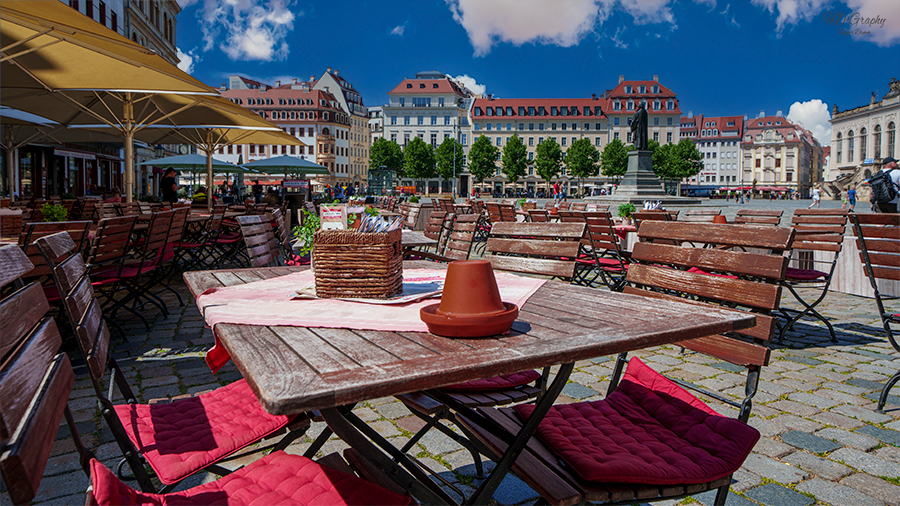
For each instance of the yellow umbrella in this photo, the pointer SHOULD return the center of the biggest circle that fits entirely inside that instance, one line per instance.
(65, 67)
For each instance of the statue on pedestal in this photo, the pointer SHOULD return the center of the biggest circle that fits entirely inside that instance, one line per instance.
(639, 128)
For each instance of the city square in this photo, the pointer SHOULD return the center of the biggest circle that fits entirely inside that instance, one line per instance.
(228, 280)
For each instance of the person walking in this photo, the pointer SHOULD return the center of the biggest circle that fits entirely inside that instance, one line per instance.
(851, 198)
(556, 192)
(816, 197)
(843, 199)
(892, 171)
(168, 187)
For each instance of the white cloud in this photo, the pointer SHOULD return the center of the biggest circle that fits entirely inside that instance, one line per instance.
(648, 11)
(186, 61)
(793, 12)
(248, 29)
(469, 82)
(617, 38)
(398, 30)
(888, 33)
(815, 117)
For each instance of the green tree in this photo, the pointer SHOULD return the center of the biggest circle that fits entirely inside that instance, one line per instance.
(614, 160)
(385, 153)
(548, 161)
(674, 162)
(514, 159)
(449, 160)
(482, 159)
(418, 159)
(583, 159)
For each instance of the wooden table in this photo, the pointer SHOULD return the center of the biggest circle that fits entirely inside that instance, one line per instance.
(297, 369)
(412, 240)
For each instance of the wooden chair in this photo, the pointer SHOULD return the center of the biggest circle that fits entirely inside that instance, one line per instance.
(538, 216)
(127, 208)
(529, 205)
(649, 439)
(546, 249)
(564, 206)
(262, 246)
(462, 236)
(606, 256)
(758, 217)
(579, 206)
(820, 237)
(412, 214)
(79, 230)
(596, 207)
(35, 384)
(282, 236)
(878, 240)
(434, 227)
(700, 215)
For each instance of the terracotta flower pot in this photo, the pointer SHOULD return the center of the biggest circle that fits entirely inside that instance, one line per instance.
(470, 304)
(720, 219)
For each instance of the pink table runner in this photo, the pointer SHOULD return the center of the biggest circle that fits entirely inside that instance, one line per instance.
(273, 302)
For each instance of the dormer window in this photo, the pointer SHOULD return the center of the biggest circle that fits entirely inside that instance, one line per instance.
(630, 106)
(657, 105)
(617, 106)
(628, 89)
(670, 105)
(643, 89)
(655, 88)
(554, 111)
(489, 111)
(541, 111)
(409, 85)
(421, 86)
(521, 111)
(499, 111)
(509, 111)
(435, 85)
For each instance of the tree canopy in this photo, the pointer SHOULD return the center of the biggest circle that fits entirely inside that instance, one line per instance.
(385, 153)
(674, 162)
(482, 159)
(444, 157)
(418, 159)
(614, 159)
(514, 159)
(548, 161)
(582, 159)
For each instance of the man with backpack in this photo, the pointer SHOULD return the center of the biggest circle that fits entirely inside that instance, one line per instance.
(886, 186)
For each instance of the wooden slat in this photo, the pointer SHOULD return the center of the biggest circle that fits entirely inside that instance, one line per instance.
(878, 219)
(713, 260)
(747, 293)
(720, 234)
(19, 313)
(13, 264)
(94, 338)
(880, 232)
(545, 230)
(532, 247)
(540, 266)
(732, 350)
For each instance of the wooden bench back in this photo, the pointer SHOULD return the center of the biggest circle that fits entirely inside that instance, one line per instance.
(878, 235)
(214, 224)
(412, 214)
(262, 248)
(446, 230)
(435, 225)
(579, 206)
(462, 236)
(759, 217)
(281, 231)
(700, 215)
(564, 206)
(595, 207)
(663, 267)
(819, 229)
(35, 381)
(179, 223)
(538, 215)
(79, 230)
(127, 208)
(106, 210)
(548, 249)
(601, 233)
(501, 212)
(111, 240)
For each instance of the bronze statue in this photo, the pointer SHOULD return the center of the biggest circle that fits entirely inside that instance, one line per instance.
(639, 128)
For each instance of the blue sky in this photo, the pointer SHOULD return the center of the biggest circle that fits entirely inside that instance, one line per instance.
(721, 58)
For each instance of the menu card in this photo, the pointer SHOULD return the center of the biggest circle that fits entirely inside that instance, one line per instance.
(333, 216)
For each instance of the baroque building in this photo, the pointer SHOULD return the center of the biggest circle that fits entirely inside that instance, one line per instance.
(663, 112)
(781, 154)
(718, 138)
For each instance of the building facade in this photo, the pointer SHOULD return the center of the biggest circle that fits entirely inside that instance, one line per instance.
(863, 136)
(315, 117)
(535, 120)
(431, 106)
(778, 153)
(357, 142)
(663, 112)
(376, 124)
(718, 138)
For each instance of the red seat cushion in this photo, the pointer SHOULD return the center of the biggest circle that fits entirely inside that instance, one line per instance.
(124, 272)
(278, 478)
(182, 437)
(649, 430)
(804, 274)
(496, 383)
(695, 270)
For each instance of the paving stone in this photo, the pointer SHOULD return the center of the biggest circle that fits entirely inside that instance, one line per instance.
(803, 360)
(875, 487)
(578, 391)
(513, 491)
(743, 480)
(851, 439)
(833, 493)
(790, 422)
(837, 420)
(875, 355)
(794, 408)
(891, 453)
(890, 437)
(772, 448)
(862, 413)
(891, 400)
(392, 410)
(436, 443)
(773, 469)
(385, 428)
(841, 397)
(810, 442)
(709, 498)
(63, 485)
(823, 468)
(813, 400)
(772, 494)
(802, 353)
(369, 414)
(866, 462)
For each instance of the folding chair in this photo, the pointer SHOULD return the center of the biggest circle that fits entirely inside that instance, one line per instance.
(538, 216)
(262, 246)
(606, 256)
(701, 215)
(878, 240)
(35, 383)
(820, 236)
(175, 438)
(545, 249)
(462, 236)
(79, 230)
(759, 217)
(650, 439)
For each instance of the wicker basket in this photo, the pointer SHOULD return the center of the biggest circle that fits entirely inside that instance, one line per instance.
(351, 264)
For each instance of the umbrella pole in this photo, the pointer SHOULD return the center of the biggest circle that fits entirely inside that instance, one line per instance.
(209, 173)
(10, 164)
(128, 114)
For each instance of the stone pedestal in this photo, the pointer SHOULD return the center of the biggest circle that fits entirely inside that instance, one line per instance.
(640, 183)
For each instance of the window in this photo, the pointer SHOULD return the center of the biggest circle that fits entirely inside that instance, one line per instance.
(421, 86)
(863, 139)
(531, 141)
(628, 89)
(89, 8)
(617, 106)
(488, 111)
(587, 126)
(598, 111)
(463, 140)
(102, 9)
(433, 140)
(563, 141)
(408, 85)
(540, 140)
(114, 21)
(499, 111)
(554, 111)
(669, 137)
(598, 126)
(434, 120)
(477, 126)
(656, 121)
(597, 141)
(877, 140)
(489, 126)
(531, 111)
(891, 137)
(630, 106)
(420, 120)
(655, 88)
(669, 121)
(521, 111)
(850, 146)
(393, 137)
(789, 176)
(499, 141)
(447, 120)
(509, 126)
(670, 105)
(476, 111)
(616, 121)
(522, 126)
(552, 126)
(615, 134)
(656, 136)
(777, 163)
(405, 120)
(643, 89)
(440, 100)
(563, 111)
(564, 125)
(657, 105)
(540, 127)
(758, 163)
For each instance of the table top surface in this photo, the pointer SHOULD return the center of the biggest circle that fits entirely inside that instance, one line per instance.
(296, 369)
(413, 239)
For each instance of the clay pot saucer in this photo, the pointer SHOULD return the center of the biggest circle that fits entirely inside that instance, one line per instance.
(470, 304)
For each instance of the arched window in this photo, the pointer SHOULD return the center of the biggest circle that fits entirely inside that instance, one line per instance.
(134, 36)
(863, 141)
(891, 137)
(838, 147)
(850, 146)
(877, 141)
(166, 25)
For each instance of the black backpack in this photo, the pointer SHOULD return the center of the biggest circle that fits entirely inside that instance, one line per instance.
(883, 188)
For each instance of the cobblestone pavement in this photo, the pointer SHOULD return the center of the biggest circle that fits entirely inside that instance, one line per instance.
(822, 442)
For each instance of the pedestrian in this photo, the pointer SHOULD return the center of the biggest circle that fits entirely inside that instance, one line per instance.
(565, 190)
(851, 198)
(168, 187)
(556, 191)
(816, 197)
(892, 171)
(843, 199)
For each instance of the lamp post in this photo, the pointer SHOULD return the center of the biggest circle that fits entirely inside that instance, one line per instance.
(455, 142)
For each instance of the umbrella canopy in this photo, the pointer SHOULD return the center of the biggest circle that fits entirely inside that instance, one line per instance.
(61, 65)
(287, 165)
(195, 163)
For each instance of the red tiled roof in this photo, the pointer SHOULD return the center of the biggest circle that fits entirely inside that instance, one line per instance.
(537, 103)
(619, 90)
(284, 92)
(427, 86)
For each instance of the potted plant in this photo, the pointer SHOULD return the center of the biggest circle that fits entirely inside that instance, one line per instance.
(626, 210)
(414, 200)
(53, 212)
(304, 234)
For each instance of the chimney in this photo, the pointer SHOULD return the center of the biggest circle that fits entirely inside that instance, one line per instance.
(490, 97)
(294, 81)
(621, 79)
(690, 114)
(656, 77)
(337, 72)
(224, 87)
(329, 70)
(277, 84)
(593, 96)
(762, 114)
(779, 113)
(312, 78)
